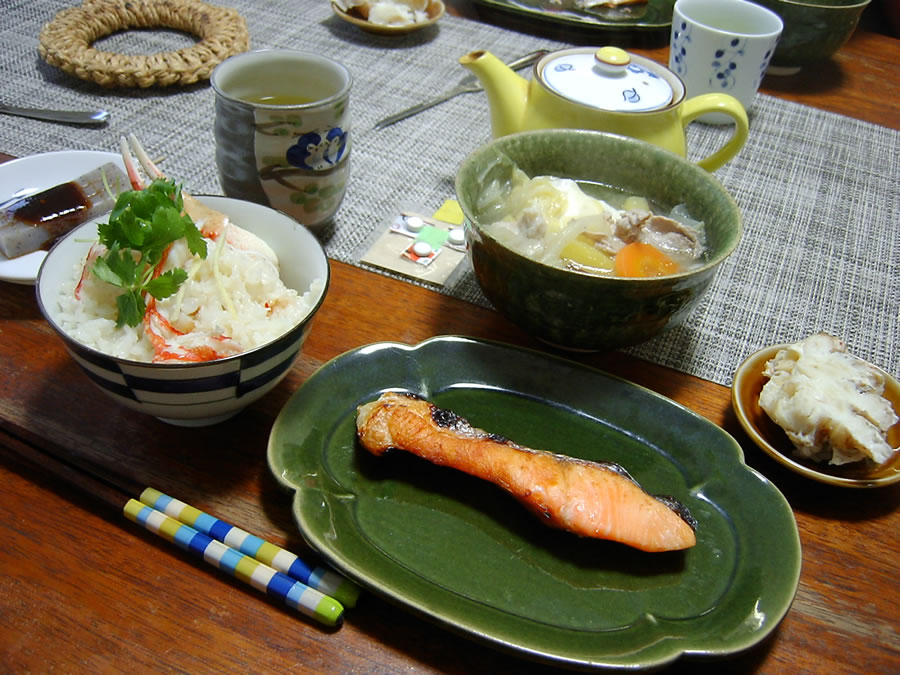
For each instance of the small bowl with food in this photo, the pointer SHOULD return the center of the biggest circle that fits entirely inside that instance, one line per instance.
(184, 308)
(593, 241)
(389, 17)
(821, 411)
(814, 30)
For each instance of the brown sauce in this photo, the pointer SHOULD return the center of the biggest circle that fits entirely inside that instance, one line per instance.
(57, 210)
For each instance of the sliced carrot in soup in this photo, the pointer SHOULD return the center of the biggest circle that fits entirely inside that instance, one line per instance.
(643, 260)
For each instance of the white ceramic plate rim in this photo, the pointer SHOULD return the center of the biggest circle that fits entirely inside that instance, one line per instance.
(35, 173)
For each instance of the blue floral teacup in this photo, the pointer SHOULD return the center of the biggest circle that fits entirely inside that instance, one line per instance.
(282, 131)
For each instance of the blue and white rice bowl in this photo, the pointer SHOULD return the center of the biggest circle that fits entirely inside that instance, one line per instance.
(197, 393)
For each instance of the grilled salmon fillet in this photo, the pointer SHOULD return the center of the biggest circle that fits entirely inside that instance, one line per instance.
(590, 499)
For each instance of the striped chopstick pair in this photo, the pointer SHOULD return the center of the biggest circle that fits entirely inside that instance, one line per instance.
(318, 593)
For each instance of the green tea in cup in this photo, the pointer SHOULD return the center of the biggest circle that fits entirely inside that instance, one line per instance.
(278, 99)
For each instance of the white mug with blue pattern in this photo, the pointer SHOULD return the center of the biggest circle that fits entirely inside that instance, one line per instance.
(722, 46)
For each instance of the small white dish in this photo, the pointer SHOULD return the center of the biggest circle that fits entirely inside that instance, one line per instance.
(35, 173)
(748, 383)
(434, 10)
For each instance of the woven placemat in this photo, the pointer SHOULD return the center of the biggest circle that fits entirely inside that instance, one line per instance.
(818, 191)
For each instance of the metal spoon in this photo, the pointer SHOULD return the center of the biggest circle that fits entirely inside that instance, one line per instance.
(69, 116)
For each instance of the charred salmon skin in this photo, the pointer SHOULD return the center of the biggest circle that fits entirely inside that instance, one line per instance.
(590, 499)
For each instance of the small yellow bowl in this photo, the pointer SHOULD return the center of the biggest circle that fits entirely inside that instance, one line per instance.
(434, 10)
(748, 383)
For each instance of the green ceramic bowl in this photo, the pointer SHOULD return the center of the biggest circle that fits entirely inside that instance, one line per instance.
(575, 310)
(814, 30)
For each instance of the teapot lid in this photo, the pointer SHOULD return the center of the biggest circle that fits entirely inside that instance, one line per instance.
(608, 78)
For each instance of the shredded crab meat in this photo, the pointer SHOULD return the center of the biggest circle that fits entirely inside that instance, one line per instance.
(231, 301)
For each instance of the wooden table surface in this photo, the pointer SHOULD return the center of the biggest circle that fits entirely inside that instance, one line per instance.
(83, 590)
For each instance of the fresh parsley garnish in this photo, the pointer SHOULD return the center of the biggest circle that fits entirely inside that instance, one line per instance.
(141, 226)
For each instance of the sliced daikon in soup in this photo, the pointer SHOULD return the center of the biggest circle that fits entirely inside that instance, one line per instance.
(590, 227)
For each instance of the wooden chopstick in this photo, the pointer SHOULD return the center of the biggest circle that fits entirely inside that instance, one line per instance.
(115, 491)
(102, 486)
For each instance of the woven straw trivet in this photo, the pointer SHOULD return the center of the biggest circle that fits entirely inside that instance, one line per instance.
(66, 41)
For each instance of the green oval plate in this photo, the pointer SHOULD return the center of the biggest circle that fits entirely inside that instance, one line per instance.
(461, 552)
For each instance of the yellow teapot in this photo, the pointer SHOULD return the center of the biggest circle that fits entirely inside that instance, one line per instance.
(606, 89)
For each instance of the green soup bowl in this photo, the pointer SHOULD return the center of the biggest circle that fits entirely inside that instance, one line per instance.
(573, 309)
(814, 30)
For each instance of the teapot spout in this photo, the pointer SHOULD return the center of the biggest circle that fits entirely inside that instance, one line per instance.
(507, 92)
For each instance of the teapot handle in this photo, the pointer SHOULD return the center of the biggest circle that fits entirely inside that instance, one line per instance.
(719, 103)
